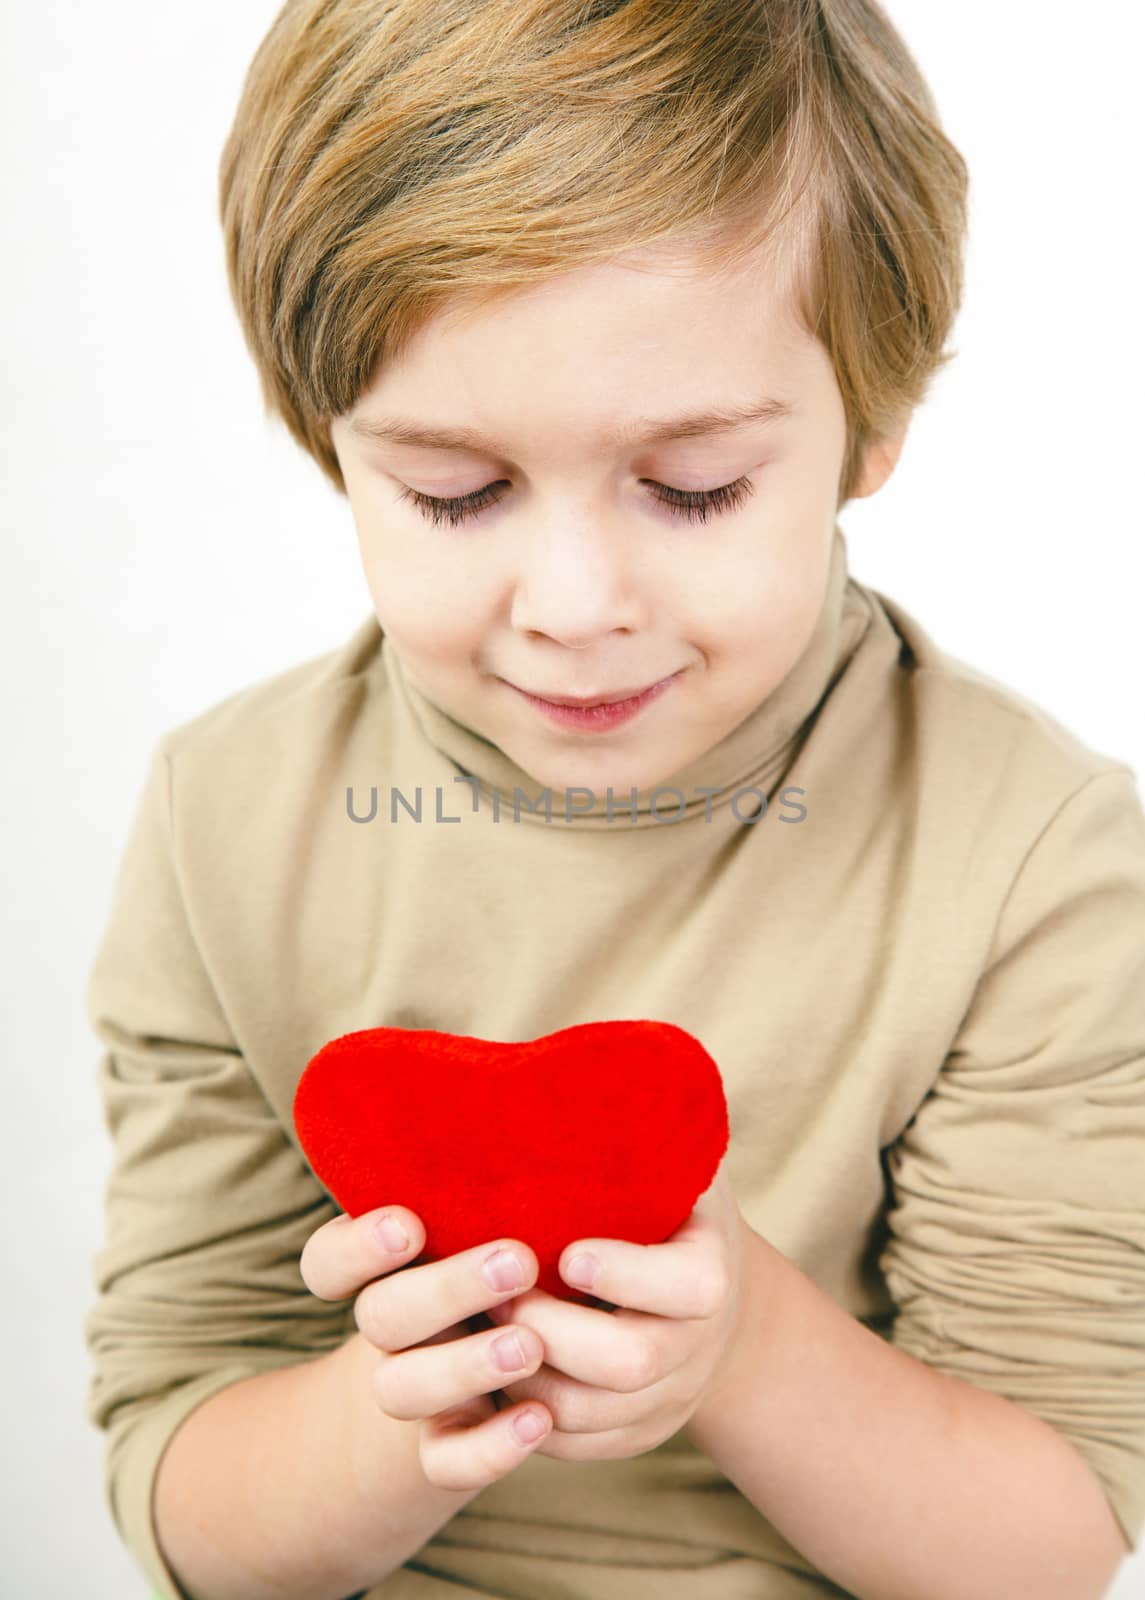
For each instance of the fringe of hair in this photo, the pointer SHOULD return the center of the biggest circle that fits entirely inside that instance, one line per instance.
(391, 158)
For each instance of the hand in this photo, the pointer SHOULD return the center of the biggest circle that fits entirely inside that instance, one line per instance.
(620, 1382)
(434, 1368)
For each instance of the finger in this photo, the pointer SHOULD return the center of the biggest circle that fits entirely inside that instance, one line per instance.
(420, 1382)
(456, 1454)
(346, 1253)
(680, 1278)
(607, 1444)
(622, 1352)
(405, 1309)
(579, 1408)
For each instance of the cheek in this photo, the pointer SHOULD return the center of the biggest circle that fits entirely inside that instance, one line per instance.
(417, 590)
(738, 593)
(761, 609)
(426, 610)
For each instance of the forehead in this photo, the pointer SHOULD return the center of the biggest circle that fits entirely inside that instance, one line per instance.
(640, 349)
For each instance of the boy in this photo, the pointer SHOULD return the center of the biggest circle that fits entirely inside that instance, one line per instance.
(598, 315)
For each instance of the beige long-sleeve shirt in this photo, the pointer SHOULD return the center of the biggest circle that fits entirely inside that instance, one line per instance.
(919, 963)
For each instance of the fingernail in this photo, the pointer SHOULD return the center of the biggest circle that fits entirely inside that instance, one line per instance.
(392, 1235)
(528, 1426)
(503, 1271)
(582, 1271)
(507, 1353)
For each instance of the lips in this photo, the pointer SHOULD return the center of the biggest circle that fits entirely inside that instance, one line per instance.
(593, 699)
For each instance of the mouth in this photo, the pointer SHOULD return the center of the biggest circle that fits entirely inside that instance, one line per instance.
(586, 702)
(596, 716)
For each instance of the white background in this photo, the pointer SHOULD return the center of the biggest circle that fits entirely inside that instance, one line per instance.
(164, 545)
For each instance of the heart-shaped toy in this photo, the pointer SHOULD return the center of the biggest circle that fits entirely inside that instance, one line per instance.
(603, 1130)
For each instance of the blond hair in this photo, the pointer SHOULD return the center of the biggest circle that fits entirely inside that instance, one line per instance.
(391, 158)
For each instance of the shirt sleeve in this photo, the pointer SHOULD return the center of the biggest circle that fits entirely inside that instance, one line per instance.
(208, 1203)
(1016, 1248)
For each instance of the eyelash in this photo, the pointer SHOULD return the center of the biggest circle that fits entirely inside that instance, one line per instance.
(696, 505)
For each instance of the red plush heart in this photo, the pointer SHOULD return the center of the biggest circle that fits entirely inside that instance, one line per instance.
(608, 1130)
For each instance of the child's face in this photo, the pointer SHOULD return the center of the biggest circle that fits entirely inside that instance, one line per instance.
(578, 581)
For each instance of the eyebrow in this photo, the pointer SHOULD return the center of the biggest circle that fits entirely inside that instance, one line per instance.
(644, 430)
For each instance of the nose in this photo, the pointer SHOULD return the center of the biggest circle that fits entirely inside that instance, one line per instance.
(574, 582)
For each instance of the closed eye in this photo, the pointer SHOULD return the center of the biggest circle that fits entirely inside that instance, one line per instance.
(696, 505)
